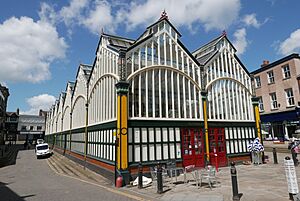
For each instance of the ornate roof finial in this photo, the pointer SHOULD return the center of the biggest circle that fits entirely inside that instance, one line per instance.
(102, 30)
(164, 15)
(224, 33)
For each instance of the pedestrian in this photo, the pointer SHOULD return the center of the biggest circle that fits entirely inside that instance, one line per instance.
(295, 151)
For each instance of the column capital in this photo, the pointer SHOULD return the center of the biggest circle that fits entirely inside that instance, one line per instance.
(204, 94)
(122, 87)
(255, 100)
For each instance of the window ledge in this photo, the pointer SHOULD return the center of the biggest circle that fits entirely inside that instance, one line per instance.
(271, 83)
(286, 78)
(290, 106)
(274, 109)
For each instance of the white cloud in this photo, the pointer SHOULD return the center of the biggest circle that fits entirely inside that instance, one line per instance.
(27, 49)
(95, 15)
(100, 17)
(240, 42)
(250, 20)
(291, 44)
(42, 101)
(72, 13)
(213, 14)
(47, 14)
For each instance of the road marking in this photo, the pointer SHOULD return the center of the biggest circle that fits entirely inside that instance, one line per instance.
(101, 186)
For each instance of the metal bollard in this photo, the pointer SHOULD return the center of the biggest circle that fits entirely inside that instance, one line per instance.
(235, 191)
(275, 156)
(159, 179)
(140, 175)
(291, 178)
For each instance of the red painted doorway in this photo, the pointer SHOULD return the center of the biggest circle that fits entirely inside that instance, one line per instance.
(193, 147)
(217, 146)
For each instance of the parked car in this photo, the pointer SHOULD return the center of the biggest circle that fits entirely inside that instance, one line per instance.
(40, 141)
(42, 150)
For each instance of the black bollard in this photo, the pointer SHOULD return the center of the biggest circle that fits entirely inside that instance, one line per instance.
(235, 191)
(140, 175)
(159, 179)
(275, 156)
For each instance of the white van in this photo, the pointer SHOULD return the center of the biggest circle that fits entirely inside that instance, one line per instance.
(39, 141)
(42, 150)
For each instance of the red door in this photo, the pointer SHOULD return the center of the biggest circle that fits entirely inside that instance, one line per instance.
(217, 146)
(192, 147)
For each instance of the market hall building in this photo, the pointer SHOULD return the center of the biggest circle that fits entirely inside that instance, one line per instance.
(150, 100)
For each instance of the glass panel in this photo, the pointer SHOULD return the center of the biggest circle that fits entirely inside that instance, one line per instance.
(163, 93)
(158, 152)
(157, 135)
(175, 95)
(166, 151)
(137, 153)
(136, 96)
(178, 149)
(227, 147)
(172, 151)
(144, 134)
(143, 97)
(145, 154)
(165, 134)
(156, 81)
(181, 95)
(169, 87)
(151, 135)
(151, 152)
(150, 97)
(171, 134)
(136, 135)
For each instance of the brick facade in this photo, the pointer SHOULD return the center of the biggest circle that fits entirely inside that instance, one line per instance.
(280, 86)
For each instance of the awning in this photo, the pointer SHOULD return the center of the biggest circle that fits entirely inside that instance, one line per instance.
(280, 117)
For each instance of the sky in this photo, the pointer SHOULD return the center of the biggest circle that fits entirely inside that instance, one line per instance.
(42, 43)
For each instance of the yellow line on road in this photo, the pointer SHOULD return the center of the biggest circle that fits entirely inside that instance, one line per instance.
(101, 186)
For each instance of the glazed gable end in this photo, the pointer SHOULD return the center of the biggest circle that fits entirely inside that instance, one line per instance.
(163, 76)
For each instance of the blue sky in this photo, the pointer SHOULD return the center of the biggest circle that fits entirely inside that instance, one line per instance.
(43, 42)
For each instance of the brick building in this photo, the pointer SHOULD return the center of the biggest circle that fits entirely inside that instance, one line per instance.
(277, 86)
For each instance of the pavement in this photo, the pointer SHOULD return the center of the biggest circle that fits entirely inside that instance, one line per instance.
(32, 179)
(256, 182)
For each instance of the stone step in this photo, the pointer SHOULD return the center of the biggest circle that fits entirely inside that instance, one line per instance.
(72, 169)
(56, 162)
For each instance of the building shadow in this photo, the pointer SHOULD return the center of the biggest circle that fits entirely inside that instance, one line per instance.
(8, 195)
(10, 157)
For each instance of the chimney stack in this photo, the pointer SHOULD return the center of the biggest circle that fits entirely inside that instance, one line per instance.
(265, 63)
(18, 111)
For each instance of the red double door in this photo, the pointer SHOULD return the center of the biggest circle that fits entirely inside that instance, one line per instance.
(193, 146)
